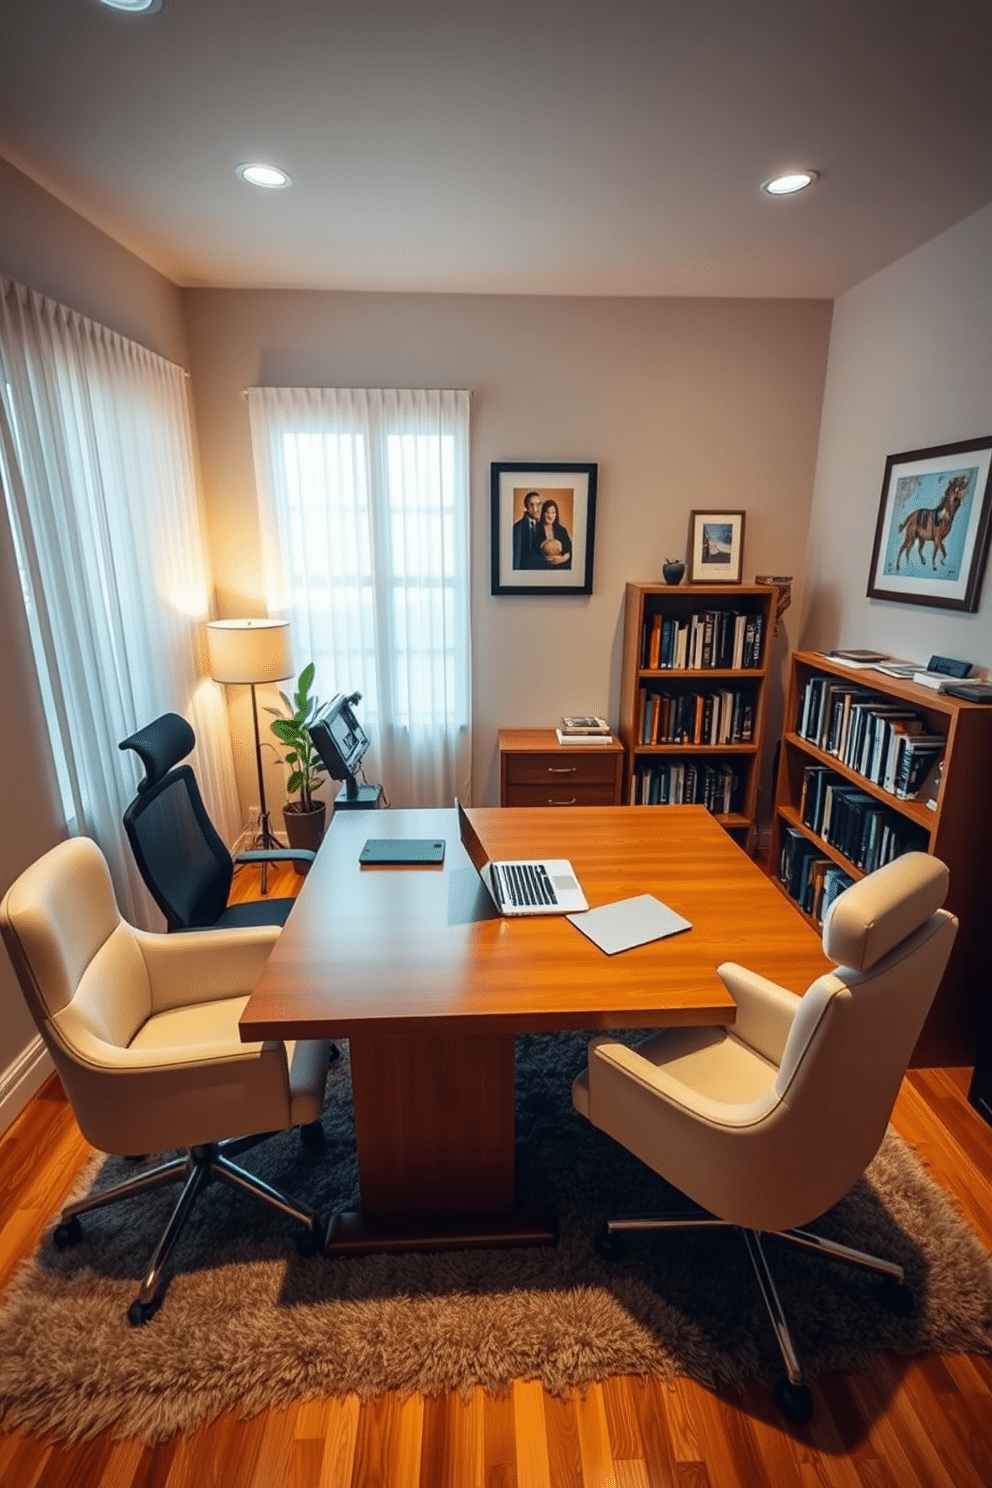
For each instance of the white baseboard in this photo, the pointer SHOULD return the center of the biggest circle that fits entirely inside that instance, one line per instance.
(22, 1079)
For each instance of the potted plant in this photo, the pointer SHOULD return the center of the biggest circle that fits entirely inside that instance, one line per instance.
(304, 819)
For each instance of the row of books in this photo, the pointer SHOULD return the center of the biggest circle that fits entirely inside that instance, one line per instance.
(812, 880)
(857, 824)
(722, 715)
(726, 639)
(874, 735)
(685, 783)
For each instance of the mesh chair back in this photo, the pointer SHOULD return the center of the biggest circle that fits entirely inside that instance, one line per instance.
(181, 858)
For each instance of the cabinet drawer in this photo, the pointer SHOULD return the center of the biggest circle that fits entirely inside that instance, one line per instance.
(558, 792)
(562, 769)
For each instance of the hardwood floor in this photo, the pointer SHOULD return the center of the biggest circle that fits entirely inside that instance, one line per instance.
(924, 1422)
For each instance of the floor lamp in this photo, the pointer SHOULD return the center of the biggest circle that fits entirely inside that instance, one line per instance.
(249, 653)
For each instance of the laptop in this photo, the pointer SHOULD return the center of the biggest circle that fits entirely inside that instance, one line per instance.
(525, 887)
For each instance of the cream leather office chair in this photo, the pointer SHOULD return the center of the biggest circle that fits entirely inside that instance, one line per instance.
(143, 1030)
(767, 1123)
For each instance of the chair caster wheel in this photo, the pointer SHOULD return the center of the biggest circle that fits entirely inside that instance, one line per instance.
(312, 1136)
(794, 1401)
(69, 1233)
(140, 1313)
(609, 1247)
(897, 1297)
(310, 1242)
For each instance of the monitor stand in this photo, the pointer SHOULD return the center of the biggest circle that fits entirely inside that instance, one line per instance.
(355, 797)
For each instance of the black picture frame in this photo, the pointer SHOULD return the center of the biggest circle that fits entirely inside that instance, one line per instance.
(932, 532)
(557, 558)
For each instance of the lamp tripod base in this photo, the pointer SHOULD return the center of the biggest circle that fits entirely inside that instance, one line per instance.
(265, 839)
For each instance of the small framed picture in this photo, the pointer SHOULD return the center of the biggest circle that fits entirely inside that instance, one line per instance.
(932, 533)
(543, 527)
(716, 547)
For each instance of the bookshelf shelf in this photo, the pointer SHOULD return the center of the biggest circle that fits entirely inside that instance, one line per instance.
(854, 720)
(695, 728)
(912, 810)
(680, 749)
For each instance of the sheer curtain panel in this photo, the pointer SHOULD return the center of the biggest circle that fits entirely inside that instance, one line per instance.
(364, 505)
(97, 464)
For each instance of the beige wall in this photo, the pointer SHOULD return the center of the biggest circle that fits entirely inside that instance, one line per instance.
(683, 404)
(910, 367)
(45, 245)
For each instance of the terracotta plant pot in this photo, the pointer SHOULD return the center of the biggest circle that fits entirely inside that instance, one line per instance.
(304, 828)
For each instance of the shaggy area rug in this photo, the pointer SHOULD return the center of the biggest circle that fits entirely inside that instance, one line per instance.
(246, 1324)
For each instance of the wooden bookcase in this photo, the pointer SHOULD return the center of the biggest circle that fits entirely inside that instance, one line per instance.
(648, 604)
(956, 830)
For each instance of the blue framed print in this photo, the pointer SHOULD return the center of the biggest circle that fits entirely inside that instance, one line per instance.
(932, 533)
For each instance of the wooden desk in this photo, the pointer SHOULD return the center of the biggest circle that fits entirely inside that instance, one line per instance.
(429, 986)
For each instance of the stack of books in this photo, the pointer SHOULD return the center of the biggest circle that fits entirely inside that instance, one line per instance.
(584, 729)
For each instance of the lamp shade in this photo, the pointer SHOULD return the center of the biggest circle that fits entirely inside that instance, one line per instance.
(245, 651)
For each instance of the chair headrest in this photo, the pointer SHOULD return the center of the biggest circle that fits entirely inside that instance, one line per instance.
(871, 917)
(159, 746)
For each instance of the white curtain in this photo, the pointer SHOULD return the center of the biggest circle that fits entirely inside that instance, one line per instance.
(97, 463)
(364, 505)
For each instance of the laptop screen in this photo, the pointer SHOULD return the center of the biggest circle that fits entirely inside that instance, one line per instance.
(470, 839)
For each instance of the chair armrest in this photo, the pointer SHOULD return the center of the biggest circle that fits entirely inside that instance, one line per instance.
(204, 965)
(613, 1065)
(765, 1011)
(277, 855)
(150, 1099)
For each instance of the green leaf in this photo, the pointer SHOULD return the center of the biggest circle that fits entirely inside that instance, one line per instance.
(306, 679)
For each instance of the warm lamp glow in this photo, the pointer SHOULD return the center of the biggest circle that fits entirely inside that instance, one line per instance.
(246, 651)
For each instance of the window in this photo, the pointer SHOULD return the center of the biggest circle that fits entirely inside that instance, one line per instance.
(363, 496)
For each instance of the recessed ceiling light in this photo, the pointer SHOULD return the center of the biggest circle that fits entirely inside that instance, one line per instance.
(264, 175)
(136, 7)
(791, 182)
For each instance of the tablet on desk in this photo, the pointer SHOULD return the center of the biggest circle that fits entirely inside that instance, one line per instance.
(402, 850)
(629, 922)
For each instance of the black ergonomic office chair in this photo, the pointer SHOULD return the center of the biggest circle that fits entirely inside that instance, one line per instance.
(180, 856)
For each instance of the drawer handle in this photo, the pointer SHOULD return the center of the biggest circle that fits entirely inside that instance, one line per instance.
(562, 769)
(563, 803)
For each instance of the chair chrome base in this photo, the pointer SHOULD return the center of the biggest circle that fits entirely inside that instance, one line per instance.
(792, 1394)
(200, 1166)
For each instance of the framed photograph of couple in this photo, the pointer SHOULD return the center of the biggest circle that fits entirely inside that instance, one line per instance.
(543, 527)
(932, 532)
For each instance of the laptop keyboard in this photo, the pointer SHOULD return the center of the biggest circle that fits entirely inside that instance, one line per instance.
(528, 883)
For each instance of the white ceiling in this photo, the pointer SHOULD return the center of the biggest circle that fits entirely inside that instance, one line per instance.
(526, 146)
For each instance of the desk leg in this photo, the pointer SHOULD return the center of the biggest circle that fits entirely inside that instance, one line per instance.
(434, 1125)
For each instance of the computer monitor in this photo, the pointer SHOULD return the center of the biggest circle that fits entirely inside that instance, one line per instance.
(341, 742)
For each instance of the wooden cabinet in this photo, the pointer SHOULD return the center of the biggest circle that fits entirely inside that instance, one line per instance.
(535, 770)
(692, 697)
(834, 716)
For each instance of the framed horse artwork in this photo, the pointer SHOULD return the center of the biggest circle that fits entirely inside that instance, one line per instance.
(932, 533)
